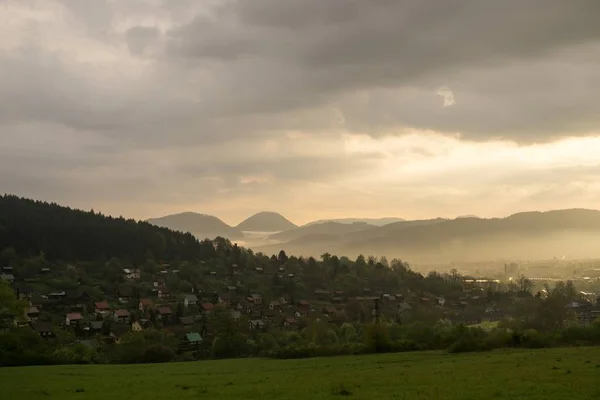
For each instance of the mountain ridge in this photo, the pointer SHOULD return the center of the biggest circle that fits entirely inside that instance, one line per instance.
(522, 235)
(371, 221)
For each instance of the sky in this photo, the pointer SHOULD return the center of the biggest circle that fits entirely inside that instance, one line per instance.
(314, 109)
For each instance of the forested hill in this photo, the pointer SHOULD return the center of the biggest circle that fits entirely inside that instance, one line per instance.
(200, 225)
(61, 233)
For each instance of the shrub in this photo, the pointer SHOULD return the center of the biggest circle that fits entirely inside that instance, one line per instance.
(158, 354)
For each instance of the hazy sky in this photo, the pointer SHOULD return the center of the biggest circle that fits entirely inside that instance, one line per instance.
(313, 108)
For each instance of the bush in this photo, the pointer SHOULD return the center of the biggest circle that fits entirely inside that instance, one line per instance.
(400, 346)
(378, 339)
(158, 354)
(535, 340)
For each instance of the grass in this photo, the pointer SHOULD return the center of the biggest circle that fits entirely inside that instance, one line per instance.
(572, 373)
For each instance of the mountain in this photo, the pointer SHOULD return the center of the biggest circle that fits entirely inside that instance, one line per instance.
(200, 225)
(265, 221)
(324, 228)
(370, 221)
(528, 235)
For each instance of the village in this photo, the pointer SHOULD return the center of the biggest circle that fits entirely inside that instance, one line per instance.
(143, 300)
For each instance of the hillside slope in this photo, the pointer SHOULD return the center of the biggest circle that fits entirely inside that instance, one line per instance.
(266, 221)
(200, 225)
(61, 233)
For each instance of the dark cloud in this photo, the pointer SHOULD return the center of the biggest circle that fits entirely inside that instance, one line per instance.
(298, 54)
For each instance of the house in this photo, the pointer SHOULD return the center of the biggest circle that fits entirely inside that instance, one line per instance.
(44, 329)
(132, 274)
(268, 315)
(193, 338)
(303, 303)
(290, 322)
(285, 299)
(337, 300)
(101, 307)
(255, 298)
(187, 321)
(163, 313)
(8, 278)
(77, 300)
(73, 319)
(255, 324)
(190, 300)
(57, 295)
(122, 316)
(225, 299)
(138, 326)
(145, 304)
(96, 326)
(301, 312)
(322, 294)
(45, 271)
(441, 300)
(124, 293)
(159, 283)
(243, 305)
(235, 315)
(275, 305)
(33, 313)
(329, 311)
(260, 270)
(208, 308)
(163, 293)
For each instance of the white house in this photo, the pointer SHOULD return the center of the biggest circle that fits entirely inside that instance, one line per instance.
(190, 300)
(133, 274)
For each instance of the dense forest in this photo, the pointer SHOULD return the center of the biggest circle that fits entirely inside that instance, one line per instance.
(61, 233)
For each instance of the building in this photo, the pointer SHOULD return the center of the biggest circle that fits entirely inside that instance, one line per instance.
(122, 316)
(190, 300)
(101, 307)
(132, 274)
(72, 319)
(145, 304)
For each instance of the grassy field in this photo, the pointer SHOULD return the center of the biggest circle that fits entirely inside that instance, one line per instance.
(570, 373)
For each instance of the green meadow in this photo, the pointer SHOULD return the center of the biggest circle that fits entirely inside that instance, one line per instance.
(567, 373)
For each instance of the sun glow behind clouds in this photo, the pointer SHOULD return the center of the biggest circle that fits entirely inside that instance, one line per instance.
(426, 154)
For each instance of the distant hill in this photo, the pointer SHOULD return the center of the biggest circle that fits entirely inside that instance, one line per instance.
(265, 221)
(370, 221)
(324, 228)
(528, 235)
(200, 225)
